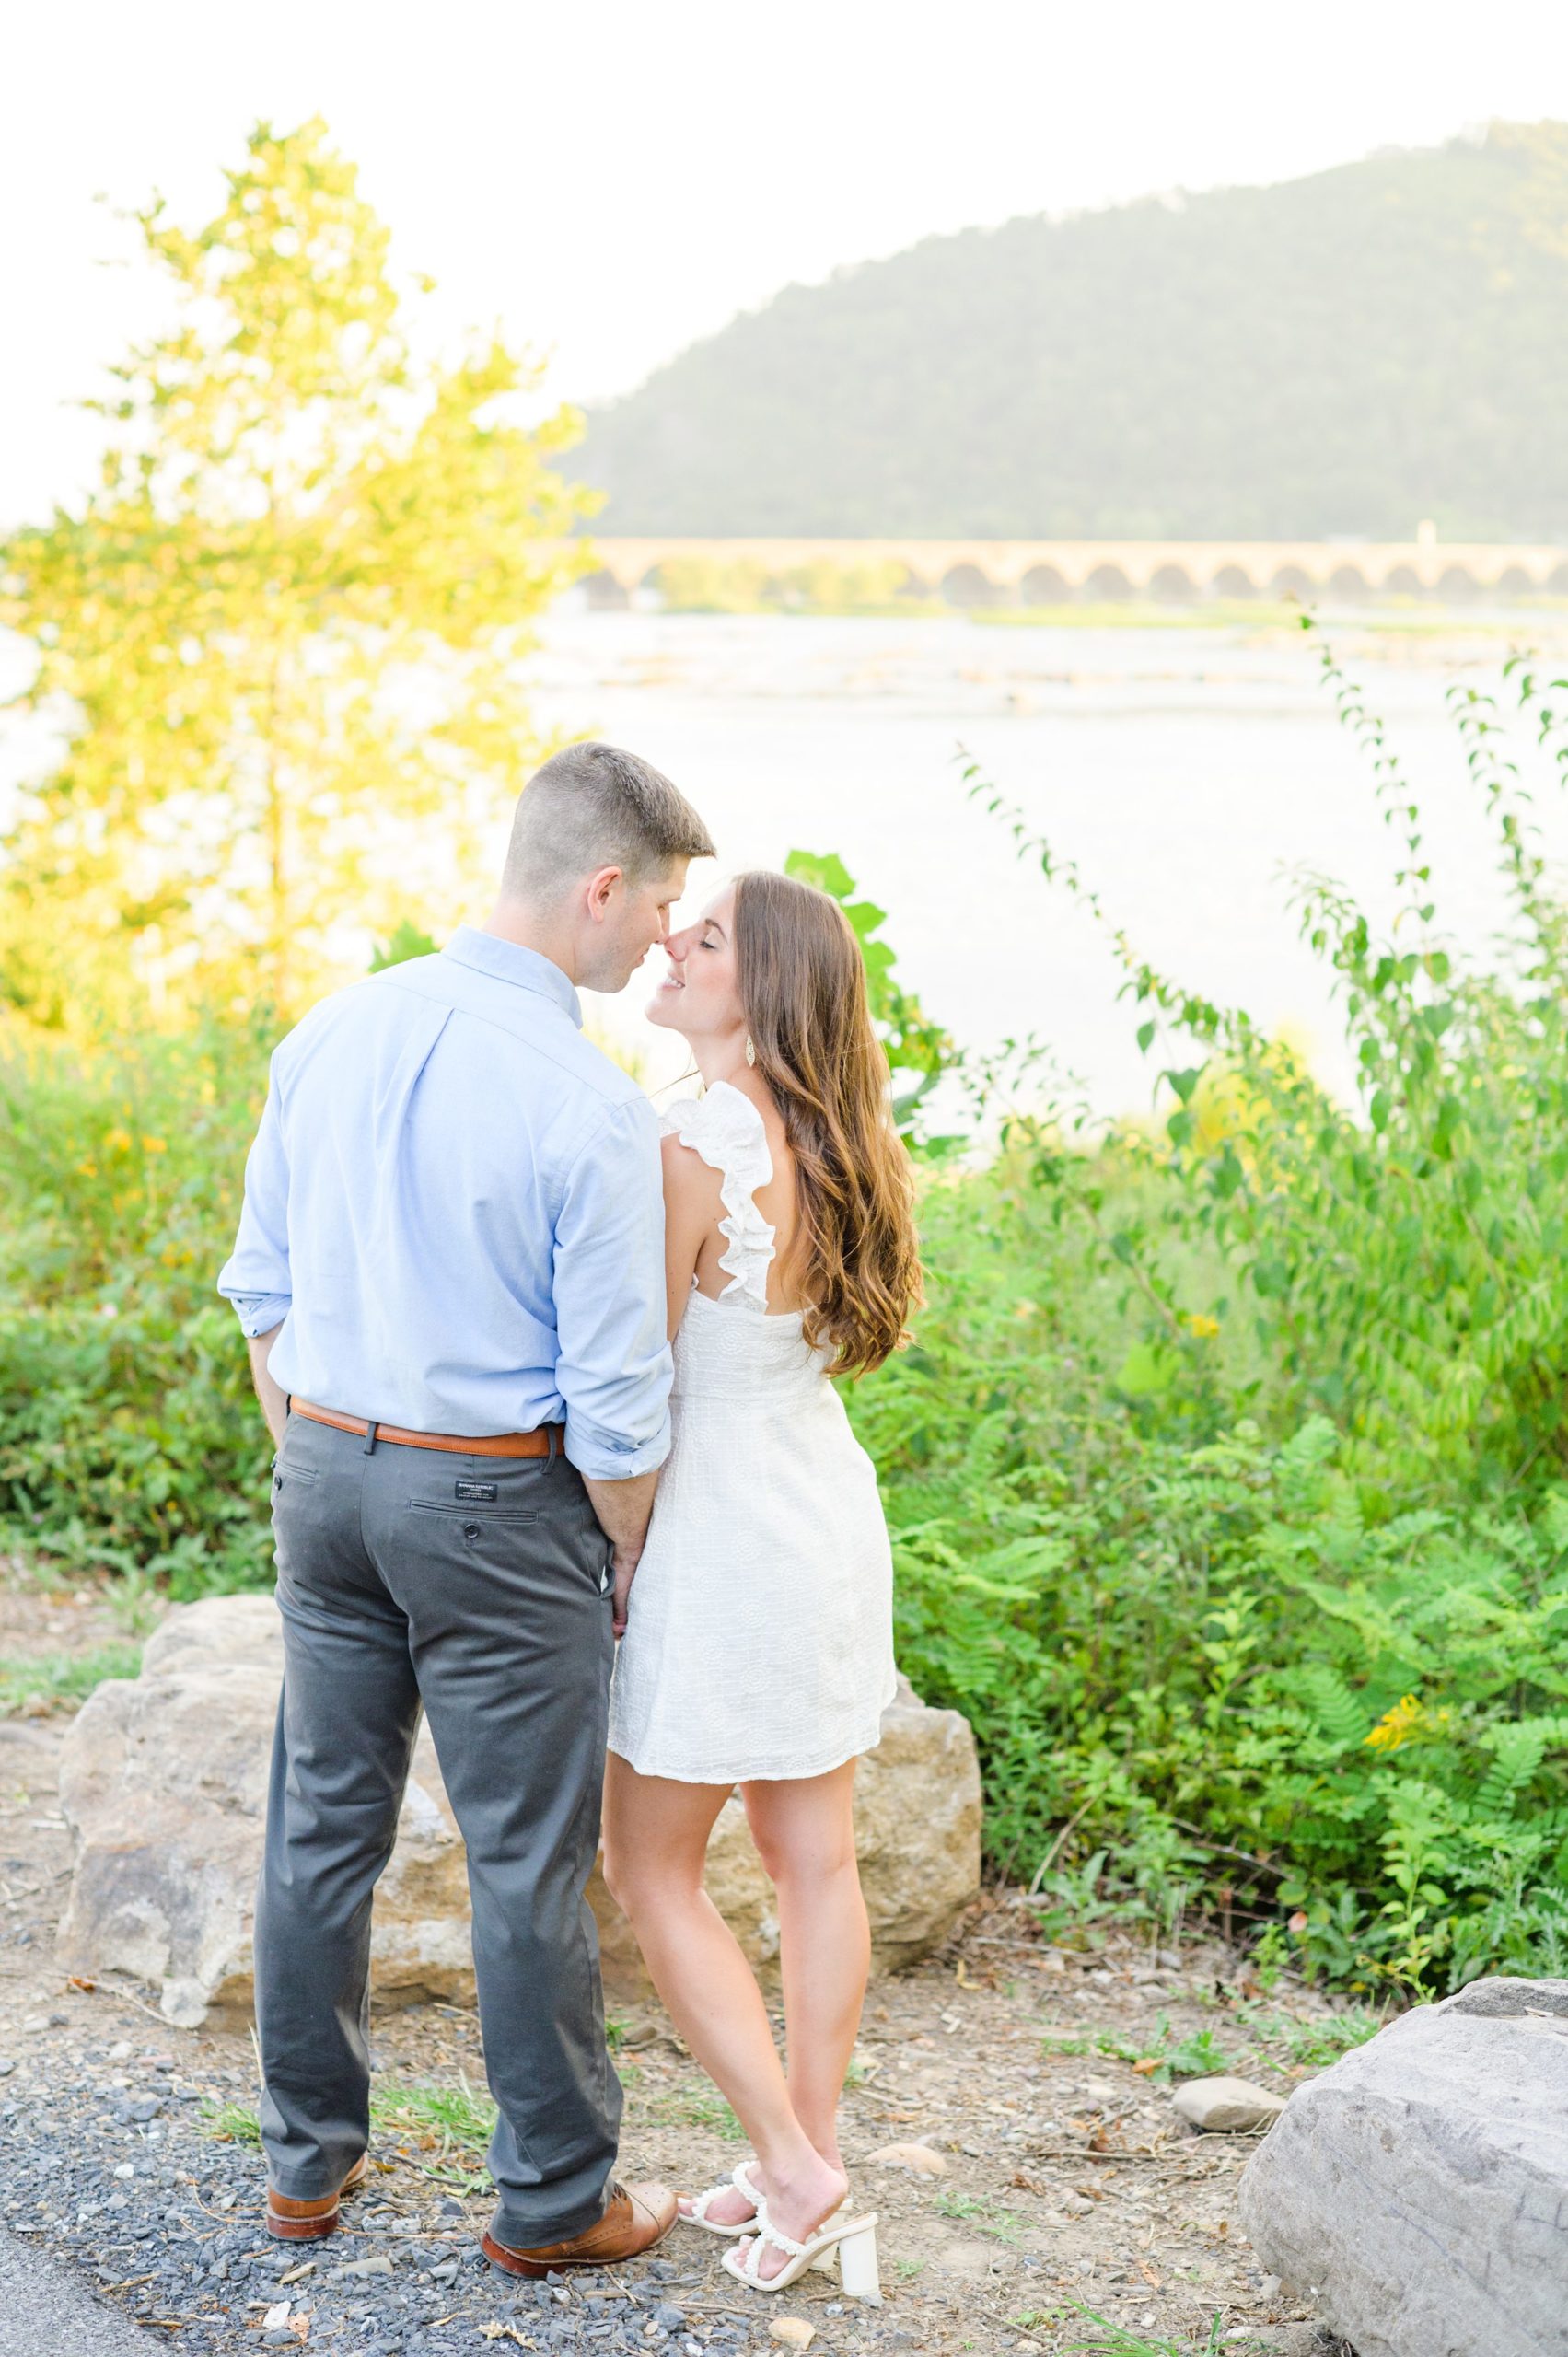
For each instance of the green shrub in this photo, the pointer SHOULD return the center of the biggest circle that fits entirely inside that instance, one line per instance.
(128, 1434)
(1403, 1257)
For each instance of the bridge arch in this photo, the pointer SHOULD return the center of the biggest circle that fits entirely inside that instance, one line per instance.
(1402, 581)
(965, 585)
(1458, 583)
(1172, 585)
(1042, 585)
(604, 593)
(1108, 582)
(1349, 582)
(1233, 581)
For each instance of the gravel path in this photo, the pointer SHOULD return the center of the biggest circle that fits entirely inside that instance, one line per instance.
(1063, 2179)
(45, 2307)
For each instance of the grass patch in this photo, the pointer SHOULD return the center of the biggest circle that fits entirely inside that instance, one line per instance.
(1107, 2340)
(1311, 2045)
(443, 2131)
(231, 2123)
(1272, 2041)
(56, 1678)
(695, 2108)
(977, 2210)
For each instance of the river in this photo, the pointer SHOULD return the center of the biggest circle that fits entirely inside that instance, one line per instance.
(1187, 771)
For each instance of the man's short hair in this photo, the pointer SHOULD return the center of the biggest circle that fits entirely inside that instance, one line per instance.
(592, 807)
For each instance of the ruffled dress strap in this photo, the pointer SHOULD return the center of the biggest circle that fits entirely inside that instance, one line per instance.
(726, 1130)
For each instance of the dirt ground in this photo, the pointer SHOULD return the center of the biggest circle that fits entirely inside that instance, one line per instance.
(1067, 2181)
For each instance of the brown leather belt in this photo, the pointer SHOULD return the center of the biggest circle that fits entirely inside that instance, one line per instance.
(545, 1442)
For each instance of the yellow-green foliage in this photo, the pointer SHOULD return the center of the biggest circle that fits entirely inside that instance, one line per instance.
(285, 626)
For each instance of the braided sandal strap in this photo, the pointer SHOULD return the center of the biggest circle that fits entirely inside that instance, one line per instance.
(738, 2182)
(762, 2236)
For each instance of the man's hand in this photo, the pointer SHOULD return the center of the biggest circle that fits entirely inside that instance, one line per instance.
(275, 1403)
(623, 1509)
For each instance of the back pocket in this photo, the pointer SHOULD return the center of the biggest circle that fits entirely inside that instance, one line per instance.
(471, 1513)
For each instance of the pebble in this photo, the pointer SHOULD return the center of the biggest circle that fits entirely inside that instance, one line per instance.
(920, 2159)
(672, 2318)
(793, 2331)
(1227, 2105)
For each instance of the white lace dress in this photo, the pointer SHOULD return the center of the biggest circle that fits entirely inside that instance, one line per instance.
(759, 1638)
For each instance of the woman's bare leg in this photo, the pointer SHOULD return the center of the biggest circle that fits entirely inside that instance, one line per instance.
(656, 1836)
(804, 1834)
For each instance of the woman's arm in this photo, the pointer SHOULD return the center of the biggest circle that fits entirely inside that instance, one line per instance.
(694, 1205)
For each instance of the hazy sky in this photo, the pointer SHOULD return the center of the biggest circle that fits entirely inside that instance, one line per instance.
(613, 178)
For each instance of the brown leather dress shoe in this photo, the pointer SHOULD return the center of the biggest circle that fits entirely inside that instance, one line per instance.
(307, 2221)
(635, 2217)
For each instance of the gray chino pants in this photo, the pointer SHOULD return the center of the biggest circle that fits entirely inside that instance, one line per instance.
(478, 1587)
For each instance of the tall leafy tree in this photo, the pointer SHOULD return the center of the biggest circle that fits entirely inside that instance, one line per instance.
(281, 637)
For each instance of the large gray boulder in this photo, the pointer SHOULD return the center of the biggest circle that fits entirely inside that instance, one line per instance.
(1418, 2188)
(164, 1783)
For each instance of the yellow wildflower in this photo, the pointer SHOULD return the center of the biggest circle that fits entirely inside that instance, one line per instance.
(1205, 1327)
(155, 1145)
(119, 1141)
(1407, 1723)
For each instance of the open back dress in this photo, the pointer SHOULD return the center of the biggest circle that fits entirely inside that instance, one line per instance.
(758, 1641)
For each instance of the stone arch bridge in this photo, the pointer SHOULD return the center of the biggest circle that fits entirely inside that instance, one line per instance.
(973, 572)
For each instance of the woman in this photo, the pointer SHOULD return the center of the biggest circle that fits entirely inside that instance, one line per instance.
(758, 1645)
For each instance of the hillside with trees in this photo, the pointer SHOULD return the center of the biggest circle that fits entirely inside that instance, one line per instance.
(1339, 355)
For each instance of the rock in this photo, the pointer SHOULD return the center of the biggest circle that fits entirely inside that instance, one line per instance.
(917, 1832)
(1226, 2104)
(1419, 2187)
(918, 2158)
(164, 1784)
(793, 2331)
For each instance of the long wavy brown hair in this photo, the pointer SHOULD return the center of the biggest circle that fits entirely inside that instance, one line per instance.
(856, 1259)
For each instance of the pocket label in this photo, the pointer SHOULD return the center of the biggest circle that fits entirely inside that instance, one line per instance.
(487, 1493)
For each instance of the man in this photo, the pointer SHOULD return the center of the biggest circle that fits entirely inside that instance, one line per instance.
(450, 1268)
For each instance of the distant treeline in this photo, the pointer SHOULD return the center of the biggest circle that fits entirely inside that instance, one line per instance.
(1341, 355)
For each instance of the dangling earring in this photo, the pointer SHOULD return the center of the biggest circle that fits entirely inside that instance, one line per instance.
(750, 1050)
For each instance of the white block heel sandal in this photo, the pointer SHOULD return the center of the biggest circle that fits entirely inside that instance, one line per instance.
(851, 2240)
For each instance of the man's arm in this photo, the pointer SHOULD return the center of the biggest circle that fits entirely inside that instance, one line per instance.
(613, 1368)
(256, 1278)
(625, 1510)
(275, 1403)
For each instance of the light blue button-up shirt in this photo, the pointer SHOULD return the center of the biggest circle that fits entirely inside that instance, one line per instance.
(453, 1207)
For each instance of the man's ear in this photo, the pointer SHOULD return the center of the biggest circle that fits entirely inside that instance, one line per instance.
(601, 892)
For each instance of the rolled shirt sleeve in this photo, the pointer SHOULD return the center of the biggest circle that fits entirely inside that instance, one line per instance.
(256, 1277)
(614, 1370)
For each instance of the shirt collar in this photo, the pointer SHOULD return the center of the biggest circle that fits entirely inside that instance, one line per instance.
(509, 961)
